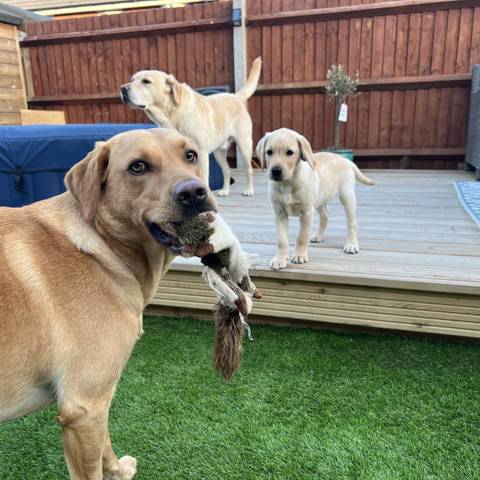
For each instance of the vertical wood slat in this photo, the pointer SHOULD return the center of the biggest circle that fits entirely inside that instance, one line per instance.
(424, 66)
(254, 49)
(276, 70)
(267, 114)
(309, 65)
(385, 126)
(288, 59)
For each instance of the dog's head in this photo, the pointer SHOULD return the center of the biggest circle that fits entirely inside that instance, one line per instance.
(281, 151)
(149, 88)
(143, 181)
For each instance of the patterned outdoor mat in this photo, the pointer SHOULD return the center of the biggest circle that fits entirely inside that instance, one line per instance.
(469, 196)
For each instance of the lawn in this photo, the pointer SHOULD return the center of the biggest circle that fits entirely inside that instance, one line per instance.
(306, 404)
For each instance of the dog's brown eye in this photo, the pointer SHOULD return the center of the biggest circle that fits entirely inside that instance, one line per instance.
(138, 167)
(146, 81)
(289, 153)
(269, 151)
(191, 156)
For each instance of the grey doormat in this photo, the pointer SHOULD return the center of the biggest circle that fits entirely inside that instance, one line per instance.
(469, 196)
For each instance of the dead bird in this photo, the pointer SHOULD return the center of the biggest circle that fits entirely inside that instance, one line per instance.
(208, 236)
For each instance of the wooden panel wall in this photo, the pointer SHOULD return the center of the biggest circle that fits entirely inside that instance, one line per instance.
(413, 58)
(83, 77)
(12, 93)
(383, 49)
(312, 304)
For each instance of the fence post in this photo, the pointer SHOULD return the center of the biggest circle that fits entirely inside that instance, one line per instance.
(239, 9)
(239, 43)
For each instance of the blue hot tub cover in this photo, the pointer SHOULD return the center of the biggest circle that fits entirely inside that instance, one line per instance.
(34, 159)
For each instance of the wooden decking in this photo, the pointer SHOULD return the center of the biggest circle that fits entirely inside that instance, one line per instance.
(418, 269)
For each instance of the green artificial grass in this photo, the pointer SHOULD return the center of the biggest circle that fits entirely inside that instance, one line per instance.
(305, 405)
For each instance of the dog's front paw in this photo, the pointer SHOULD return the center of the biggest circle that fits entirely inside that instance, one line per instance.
(128, 467)
(279, 263)
(299, 259)
(248, 192)
(126, 470)
(351, 247)
(224, 192)
(317, 239)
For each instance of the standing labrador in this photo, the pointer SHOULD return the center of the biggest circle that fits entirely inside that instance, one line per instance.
(76, 272)
(301, 182)
(213, 122)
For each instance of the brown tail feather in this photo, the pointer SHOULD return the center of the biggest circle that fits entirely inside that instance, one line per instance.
(228, 352)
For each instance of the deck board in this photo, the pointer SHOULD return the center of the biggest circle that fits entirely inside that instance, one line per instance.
(418, 268)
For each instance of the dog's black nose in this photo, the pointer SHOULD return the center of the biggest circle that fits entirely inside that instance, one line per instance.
(191, 194)
(124, 93)
(276, 173)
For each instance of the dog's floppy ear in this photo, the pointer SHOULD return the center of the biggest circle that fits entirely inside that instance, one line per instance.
(176, 88)
(261, 149)
(306, 153)
(86, 179)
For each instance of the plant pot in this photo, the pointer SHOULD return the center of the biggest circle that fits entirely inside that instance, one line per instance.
(344, 152)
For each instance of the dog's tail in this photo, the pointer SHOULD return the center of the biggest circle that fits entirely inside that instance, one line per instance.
(249, 88)
(360, 177)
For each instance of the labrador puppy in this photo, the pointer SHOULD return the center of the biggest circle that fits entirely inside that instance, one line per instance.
(301, 182)
(77, 271)
(213, 122)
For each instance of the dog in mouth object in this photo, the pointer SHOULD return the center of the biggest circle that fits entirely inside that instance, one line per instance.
(227, 273)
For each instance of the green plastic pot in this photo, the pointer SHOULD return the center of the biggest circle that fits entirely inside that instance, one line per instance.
(344, 152)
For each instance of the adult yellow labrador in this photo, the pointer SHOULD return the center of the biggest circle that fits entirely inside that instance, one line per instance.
(301, 182)
(213, 122)
(76, 272)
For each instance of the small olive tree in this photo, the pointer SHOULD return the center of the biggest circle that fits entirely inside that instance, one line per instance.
(341, 87)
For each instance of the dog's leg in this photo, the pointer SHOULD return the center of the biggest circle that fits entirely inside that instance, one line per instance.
(84, 429)
(322, 224)
(281, 222)
(347, 197)
(221, 157)
(86, 442)
(245, 145)
(115, 469)
(301, 247)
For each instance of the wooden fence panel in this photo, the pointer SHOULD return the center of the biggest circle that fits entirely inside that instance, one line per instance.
(71, 74)
(12, 91)
(391, 119)
(413, 58)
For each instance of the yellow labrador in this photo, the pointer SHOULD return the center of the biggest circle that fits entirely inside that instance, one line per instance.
(213, 122)
(301, 182)
(76, 272)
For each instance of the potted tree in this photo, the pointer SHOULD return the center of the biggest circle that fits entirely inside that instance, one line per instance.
(340, 87)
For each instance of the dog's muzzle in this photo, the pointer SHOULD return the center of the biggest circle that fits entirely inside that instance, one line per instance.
(164, 238)
(192, 197)
(125, 96)
(276, 174)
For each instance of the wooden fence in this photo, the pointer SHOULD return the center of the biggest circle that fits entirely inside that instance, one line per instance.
(413, 57)
(12, 91)
(78, 65)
